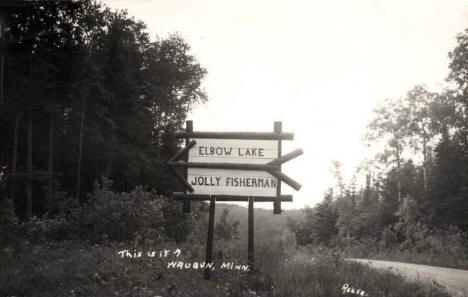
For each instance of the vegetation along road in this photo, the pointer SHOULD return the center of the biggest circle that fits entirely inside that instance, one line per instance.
(456, 280)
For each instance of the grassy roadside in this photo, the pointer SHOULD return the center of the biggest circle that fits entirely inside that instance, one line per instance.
(323, 272)
(440, 260)
(72, 268)
(449, 257)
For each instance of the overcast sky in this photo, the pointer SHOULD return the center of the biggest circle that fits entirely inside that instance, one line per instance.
(317, 66)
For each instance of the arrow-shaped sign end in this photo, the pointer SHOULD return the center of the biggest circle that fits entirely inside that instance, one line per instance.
(287, 157)
(286, 179)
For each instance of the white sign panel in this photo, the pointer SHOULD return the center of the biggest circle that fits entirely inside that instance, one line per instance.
(230, 181)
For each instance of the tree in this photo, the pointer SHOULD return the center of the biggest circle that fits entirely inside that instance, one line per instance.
(421, 123)
(459, 66)
(336, 170)
(390, 122)
(325, 222)
(106, 96)
(447, 180)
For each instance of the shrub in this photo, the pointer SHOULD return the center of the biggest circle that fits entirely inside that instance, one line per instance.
(445, 245)
(107, 216)
(137, 215)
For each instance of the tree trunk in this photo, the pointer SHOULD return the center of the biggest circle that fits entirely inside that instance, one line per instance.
(50, 179)
(2, 63)
(2, 56)
(425, 173)
(28, 212)
(398, 176)
(14, 158)
(80, 151)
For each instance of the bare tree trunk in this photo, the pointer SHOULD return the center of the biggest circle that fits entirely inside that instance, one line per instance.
(50, 179)
(2, 56)
(425, 177)
(425, 173)
(80, 150)
(28, 212)
(398, 176)
(2, 63)
(14, 159)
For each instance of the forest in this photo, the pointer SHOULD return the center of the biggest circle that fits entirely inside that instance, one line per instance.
(89, 105)
(88, 94)
(415, 198)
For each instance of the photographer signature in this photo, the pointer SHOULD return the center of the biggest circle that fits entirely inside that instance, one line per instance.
(347, 291)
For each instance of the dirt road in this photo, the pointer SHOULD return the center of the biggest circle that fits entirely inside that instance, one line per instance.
(456, 280)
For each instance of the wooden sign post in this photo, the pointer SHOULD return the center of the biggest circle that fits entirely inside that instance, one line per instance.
(233, 166)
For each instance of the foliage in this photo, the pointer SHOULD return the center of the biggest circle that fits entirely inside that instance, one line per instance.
(105, 96)
(414, 203)
(138, 216)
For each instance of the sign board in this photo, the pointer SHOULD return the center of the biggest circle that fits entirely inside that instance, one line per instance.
(232, 166)
(232, 182)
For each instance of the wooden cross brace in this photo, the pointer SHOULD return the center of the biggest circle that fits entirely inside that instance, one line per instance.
(272, 167)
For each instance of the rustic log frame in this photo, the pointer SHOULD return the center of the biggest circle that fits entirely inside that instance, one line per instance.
(273, 167)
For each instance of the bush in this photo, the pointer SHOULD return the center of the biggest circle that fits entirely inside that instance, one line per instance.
(420, 244)
(137, 215)
(107, 216)
(440, 246)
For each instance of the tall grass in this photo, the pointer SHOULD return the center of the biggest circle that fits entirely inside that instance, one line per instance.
(315, 272)
(83, 269)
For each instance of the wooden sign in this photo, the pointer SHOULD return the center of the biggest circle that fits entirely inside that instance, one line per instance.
(234, 182)
(233, 166)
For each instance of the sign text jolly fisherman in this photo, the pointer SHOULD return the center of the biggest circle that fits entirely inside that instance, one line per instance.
(233, 181)
(233, 166)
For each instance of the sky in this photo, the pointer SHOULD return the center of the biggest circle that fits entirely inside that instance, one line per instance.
(320, 67)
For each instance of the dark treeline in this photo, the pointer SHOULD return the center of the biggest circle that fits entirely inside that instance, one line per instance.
(416, 190)
(87, 94)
